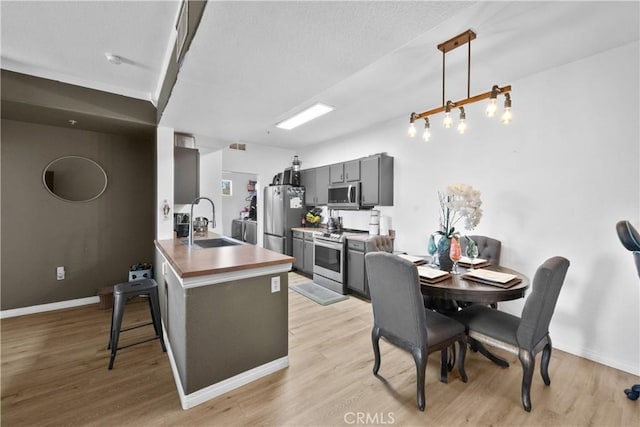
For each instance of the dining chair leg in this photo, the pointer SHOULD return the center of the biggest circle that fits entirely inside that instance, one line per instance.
(461, 357)
(375, 340)
(420, 357)
(527, 358)
(451, 363)
(544, 365)
(444, 365)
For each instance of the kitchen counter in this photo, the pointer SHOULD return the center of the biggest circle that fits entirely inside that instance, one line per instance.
(195, 261)
(360, 236)
(225, 314)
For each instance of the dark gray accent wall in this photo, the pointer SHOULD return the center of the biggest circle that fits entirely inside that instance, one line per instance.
(95, 241)
(233, 327)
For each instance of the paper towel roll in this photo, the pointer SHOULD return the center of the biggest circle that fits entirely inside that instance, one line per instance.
(375, 217)
(374, 229)
(385, 225)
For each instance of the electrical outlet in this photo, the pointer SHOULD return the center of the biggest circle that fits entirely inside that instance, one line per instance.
(164, 268)
(275, 284)
(60, 273)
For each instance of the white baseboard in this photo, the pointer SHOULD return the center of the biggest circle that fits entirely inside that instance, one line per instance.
(598, 358)
(41, 308)
(188, 401)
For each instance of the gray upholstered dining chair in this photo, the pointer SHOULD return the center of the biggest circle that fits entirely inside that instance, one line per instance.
(378, 243)
(488, 248)
(528, 334)
(399, 316)
(630, 239)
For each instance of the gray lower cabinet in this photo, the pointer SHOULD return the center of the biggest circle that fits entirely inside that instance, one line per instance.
(308, 253)
(297, 252)
(356, 274)
(303, 251)
(357, 281)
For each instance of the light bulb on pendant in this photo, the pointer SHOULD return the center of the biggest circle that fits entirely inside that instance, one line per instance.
(462, 125)
(412, 127)
(507, 116)
(426, 135)
(492, 107)
(448, 121)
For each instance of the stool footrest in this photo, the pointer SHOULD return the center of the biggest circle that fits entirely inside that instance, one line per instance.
(136, 326)
(139, 342)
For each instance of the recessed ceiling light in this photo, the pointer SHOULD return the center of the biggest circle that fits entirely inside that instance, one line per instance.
(114, 59)
(304, 116)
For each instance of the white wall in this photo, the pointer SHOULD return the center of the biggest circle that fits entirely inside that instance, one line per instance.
(164, 181)
(554, 182)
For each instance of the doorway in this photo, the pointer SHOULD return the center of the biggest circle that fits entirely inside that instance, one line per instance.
(239, 198)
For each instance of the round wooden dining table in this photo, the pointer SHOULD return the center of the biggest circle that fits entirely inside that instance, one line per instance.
(458, 288)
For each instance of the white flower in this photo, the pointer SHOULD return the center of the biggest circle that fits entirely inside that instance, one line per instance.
(460, 201)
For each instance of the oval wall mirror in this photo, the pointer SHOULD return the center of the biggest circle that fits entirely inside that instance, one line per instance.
(75, 179)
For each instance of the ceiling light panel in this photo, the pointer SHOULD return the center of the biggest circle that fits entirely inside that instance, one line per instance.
(305, 116)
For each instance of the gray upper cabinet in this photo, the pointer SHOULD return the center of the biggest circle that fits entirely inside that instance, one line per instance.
(186, 166)
(352, 171)
(345, 172)
(376, 176)
(322, 184)
(336, 173)
(374, 172)
(315, 182)
(308, 181)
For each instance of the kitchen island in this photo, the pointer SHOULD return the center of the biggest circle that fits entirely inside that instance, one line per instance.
(225, 314)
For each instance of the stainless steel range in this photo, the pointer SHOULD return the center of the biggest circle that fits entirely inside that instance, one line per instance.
(329, 269)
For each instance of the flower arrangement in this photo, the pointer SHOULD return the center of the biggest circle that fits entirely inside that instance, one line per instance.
(459, 202)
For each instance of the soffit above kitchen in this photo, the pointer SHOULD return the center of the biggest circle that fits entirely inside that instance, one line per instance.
(253, 64)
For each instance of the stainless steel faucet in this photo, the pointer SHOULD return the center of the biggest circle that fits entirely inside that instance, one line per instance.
(213, 218)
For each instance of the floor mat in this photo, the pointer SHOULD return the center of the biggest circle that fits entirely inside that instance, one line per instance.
(319, 294)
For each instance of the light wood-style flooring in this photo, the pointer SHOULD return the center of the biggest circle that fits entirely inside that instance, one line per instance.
(54, 373)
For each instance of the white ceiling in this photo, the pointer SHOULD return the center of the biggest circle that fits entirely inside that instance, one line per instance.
(251, 64)
(67, 41)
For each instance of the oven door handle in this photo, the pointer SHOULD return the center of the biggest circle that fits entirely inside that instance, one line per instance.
(329, 245)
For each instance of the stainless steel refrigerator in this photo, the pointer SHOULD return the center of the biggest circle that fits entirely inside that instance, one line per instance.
(283, 209)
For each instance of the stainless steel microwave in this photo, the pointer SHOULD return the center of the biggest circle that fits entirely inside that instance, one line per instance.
(344, 196)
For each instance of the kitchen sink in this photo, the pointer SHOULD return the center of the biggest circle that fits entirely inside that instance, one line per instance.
(214, 243)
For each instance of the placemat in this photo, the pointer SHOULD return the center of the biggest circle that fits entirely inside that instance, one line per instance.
(493, 278)
(431, 275)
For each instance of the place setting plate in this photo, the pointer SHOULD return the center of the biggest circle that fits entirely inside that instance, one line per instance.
(467, 262)
(493, 278)
(432, 275)
(414, 259)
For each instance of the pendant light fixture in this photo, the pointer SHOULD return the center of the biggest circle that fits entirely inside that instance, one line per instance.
(492, 95)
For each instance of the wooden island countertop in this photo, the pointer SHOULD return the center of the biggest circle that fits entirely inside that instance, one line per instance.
(195, 261)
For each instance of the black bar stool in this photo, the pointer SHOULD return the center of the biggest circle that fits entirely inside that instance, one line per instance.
(121, 293)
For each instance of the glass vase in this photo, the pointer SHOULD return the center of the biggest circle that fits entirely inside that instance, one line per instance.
(444, 260)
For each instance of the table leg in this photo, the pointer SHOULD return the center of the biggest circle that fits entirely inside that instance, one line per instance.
(476, 345)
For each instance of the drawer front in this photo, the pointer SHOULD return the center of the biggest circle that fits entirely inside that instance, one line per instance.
(308, 235)
(298, 234)
(357, 245)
